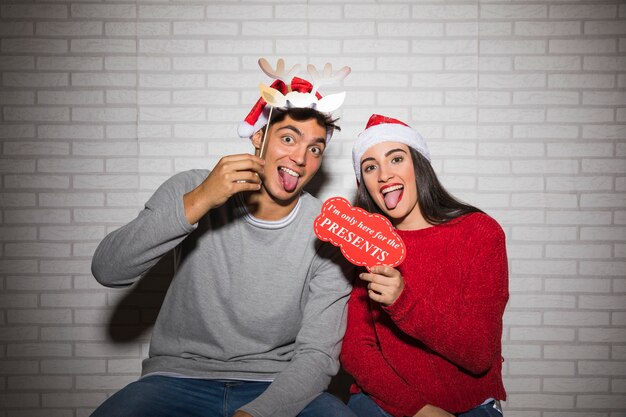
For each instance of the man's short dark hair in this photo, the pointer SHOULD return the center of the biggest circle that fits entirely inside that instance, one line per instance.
(302, 114)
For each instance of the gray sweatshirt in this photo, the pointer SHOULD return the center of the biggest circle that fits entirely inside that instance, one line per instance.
(250, 299)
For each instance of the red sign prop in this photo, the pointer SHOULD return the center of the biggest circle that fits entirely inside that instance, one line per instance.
(365, 239)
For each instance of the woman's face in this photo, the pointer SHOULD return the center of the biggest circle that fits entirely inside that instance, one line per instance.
(389, 177)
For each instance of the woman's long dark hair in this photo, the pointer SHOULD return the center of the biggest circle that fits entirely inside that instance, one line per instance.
(435, 202)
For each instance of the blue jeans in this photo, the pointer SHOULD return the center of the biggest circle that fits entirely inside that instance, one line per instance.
(162, 396)
(364, 406)
(491, 409)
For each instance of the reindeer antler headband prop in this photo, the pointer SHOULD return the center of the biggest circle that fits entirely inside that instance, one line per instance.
(289, 91)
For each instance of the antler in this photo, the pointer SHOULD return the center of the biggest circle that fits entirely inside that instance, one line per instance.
(279, 72)
(327, 76)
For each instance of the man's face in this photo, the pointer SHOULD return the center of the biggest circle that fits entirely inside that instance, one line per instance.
(293, 154)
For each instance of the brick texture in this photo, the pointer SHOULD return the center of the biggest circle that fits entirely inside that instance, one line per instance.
(522, 103)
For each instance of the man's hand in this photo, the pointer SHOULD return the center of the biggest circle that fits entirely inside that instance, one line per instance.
(240, 413)
(231, 175)
(385, 284)
(432, 411)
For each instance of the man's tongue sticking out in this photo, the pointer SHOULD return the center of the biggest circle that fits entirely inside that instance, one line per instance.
(289, 179)
(392, 198)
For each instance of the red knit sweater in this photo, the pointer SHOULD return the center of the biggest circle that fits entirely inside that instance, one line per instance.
(439, 343)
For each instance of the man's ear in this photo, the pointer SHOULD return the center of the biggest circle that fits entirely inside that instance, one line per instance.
(257, 138)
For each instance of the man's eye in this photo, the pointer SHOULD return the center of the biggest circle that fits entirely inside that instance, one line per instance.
(316, 150)
(287, 139)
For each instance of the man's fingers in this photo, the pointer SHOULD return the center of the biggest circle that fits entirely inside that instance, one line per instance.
(241, 157)
(241, 162)
(242, 165)
(245, 176)
(246, 186)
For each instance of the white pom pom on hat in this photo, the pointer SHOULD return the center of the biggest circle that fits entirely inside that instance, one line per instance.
(381, 129)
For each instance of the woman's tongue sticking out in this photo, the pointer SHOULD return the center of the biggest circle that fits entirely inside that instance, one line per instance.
(392, 198)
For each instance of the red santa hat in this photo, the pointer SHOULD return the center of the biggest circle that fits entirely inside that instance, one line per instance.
(257, 118)
(381, 129)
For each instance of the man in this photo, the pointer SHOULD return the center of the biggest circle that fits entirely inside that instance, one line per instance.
(254, 317)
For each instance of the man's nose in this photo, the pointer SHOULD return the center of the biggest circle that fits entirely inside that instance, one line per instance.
(299, 155)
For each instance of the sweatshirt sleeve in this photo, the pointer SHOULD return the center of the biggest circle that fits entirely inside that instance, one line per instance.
(362, 358)
(469, 329)
(316, 356)
(128, 252)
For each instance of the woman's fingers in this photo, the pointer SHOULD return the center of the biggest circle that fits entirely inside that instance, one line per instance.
(384, 287)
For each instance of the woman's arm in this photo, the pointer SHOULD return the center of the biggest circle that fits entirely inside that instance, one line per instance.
(467, 330)
(362, 358)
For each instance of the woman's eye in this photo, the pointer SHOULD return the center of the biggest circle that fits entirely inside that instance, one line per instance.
(369, 168)
(397, 159)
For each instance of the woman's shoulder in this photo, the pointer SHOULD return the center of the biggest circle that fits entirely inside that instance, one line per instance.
(479, 217)
(479, 222)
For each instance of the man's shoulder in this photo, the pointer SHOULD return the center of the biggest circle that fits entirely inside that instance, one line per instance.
(193, 174)
(191, 177)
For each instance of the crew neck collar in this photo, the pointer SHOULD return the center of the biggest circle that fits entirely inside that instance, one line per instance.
(268, 224)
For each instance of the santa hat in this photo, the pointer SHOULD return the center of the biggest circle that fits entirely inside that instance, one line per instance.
(257, 118)
(381, 129)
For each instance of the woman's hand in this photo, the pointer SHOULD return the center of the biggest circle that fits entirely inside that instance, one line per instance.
(240, 413)
(432, 411)
(385, 284)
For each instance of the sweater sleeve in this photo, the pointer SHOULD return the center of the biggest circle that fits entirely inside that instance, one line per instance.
(361, 357)
(128, 252)
(469, 328)
(316, 356)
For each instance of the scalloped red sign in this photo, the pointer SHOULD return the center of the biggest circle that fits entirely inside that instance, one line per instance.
(365, 239)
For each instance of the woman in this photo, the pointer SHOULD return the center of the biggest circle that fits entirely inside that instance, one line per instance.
(424, 339)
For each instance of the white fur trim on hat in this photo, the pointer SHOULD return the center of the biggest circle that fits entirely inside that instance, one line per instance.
(246, 130)
(387, 132)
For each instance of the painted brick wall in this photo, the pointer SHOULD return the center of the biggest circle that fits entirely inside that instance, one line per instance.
(522, 102)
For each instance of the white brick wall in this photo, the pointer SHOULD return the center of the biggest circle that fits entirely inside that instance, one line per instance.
(523, 105)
